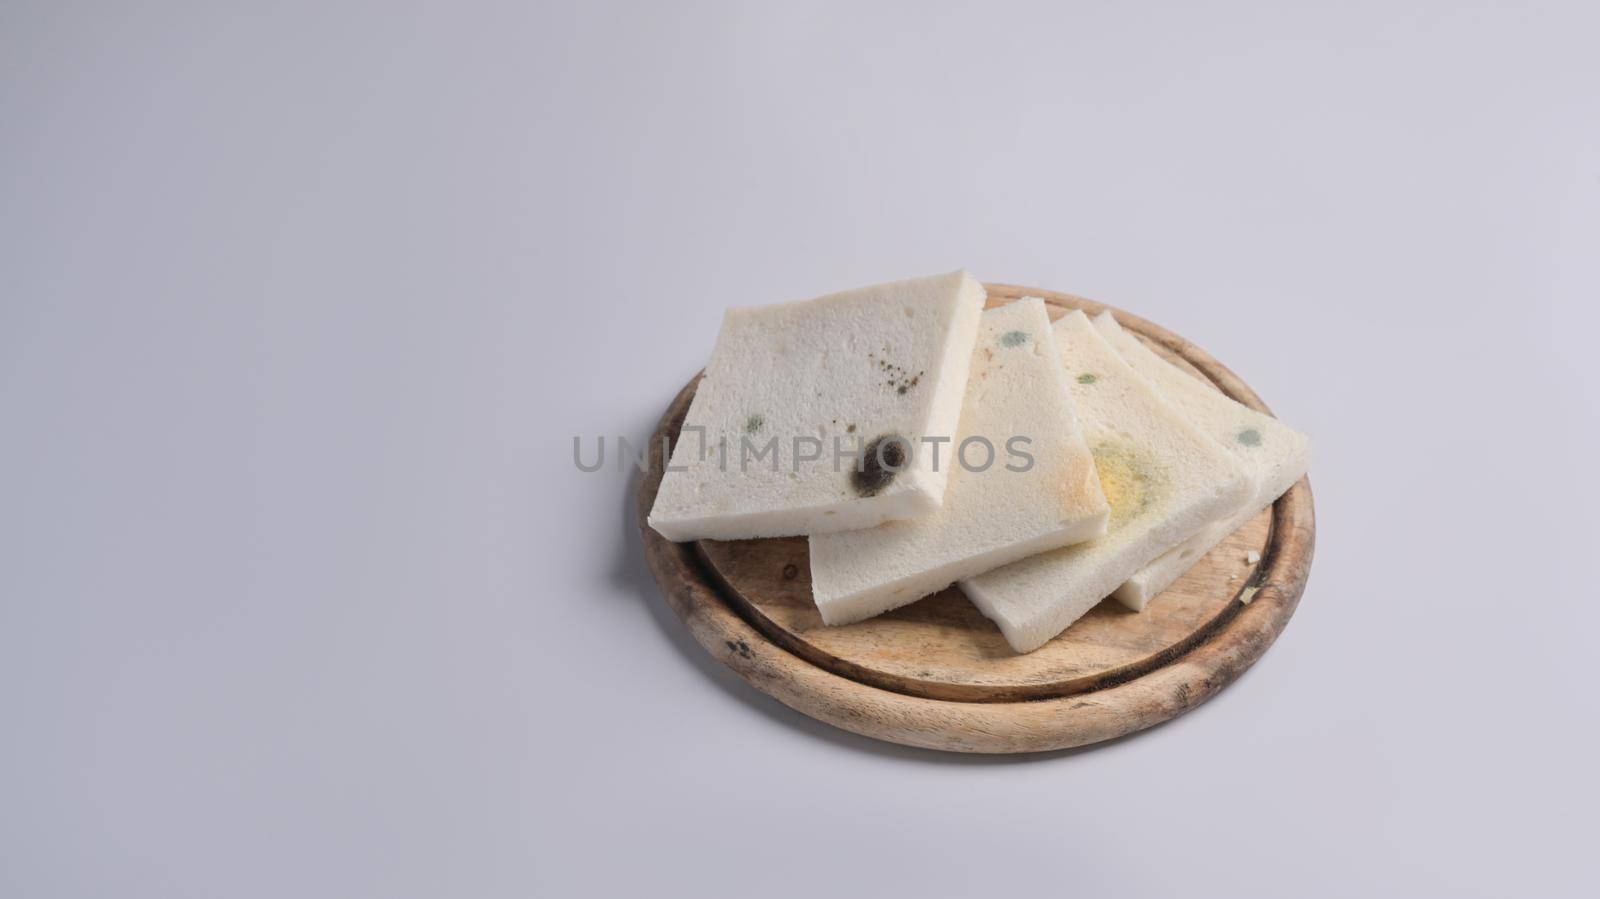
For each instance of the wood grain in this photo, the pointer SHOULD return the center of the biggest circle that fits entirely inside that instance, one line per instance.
(937, 674)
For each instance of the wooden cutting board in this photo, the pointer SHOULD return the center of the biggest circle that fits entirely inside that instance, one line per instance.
(937, 674)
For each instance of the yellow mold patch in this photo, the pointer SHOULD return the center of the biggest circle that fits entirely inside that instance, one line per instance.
(1130, 485)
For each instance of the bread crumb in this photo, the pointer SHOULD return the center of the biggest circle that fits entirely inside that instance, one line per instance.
(1252, 557)
(1248, 594)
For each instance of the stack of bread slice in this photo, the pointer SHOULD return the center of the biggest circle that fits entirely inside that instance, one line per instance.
(989, 517)
(1165, 481)
(920, 441)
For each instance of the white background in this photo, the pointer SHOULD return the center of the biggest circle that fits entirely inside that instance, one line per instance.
(302, 304)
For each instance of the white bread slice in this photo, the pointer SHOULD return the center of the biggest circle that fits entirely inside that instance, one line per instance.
(990, 517)
(1275, 455)
(847, 367)
(1164, 479)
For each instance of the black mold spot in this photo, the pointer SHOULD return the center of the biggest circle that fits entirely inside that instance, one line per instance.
(872, 476)
(791, 571)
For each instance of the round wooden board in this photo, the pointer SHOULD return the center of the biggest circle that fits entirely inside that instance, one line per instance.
(937, 674)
